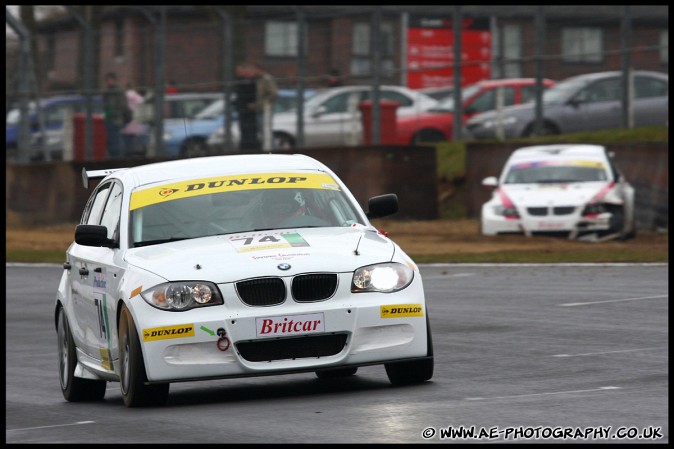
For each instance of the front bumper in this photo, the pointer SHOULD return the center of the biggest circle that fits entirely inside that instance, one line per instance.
(236, 340)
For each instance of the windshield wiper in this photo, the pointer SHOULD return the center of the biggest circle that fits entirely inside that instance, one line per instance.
(157, 242)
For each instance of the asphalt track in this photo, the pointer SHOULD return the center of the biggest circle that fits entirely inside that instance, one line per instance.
(523, 354)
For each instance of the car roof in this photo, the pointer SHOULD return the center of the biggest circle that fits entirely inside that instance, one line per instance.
(204, 167)
(511, 82)
(612, 73)
(557, 150)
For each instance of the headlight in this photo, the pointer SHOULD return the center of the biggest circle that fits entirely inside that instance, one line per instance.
(508, 212)
(181, 296)
(593, 209)
(506, 121)
(385, 277)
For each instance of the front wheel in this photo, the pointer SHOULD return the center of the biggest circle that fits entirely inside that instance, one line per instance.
(135, 391)
(74, 389)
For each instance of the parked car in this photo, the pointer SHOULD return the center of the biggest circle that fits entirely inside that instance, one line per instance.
(188, 137)
(570, 189)
(233, 266)
(55, 111)
(582, 103)
(437, 92)
(332, 117)
(436, 124)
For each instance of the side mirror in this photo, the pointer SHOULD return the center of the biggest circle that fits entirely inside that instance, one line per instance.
(93, 235)
(320, 110)
(382, 205)
(490, 181)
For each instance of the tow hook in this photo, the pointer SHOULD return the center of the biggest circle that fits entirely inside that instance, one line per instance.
(223, 341)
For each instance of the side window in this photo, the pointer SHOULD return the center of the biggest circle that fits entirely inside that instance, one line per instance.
(337, 103)
(399, 98)
(112, 210)
(93, 211)
(604, 90)
(648, 87)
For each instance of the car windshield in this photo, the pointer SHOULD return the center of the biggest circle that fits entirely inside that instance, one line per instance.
(446, 104)
(559, 93)
(556, 172)
(232, 205)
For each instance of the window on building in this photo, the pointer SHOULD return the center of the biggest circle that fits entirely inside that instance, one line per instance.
(664, 46)
(507, 51)
(119, 37)
(361, 64)
(280, 38)
(581, 44)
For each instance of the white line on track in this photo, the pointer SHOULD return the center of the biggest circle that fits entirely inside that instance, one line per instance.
(605, 352)
(57, 425)
(544, 394)
(573, 304)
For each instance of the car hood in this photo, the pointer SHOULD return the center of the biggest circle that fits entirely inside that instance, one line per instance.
(231, 257)
(551, 195)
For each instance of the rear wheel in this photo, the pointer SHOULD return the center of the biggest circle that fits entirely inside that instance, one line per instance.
(336, 373)
(414, 371)
(135, 391)
(74, 389)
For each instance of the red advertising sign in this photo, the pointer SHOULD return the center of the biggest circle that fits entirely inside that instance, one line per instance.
(430, 52)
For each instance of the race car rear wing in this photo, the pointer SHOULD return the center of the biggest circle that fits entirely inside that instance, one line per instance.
(96, 174)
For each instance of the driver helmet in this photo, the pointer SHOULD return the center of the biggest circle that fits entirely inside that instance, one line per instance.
(281, 204)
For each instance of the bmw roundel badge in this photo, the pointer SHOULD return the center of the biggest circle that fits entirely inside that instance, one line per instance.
(284, 266)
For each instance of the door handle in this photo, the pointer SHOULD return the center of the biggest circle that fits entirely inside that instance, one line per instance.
(98, 270)
(84, 272)
(67, 266)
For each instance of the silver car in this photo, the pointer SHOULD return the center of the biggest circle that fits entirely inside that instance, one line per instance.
(332, 116)
(582, 103)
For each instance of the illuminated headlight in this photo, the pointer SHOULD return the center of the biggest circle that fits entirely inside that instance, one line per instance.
(506, 121)
(384, 277)
(181, 296)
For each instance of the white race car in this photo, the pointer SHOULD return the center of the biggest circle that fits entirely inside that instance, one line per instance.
(567, 189)
(233, 266)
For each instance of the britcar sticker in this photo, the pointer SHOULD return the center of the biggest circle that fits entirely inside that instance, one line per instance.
(164, 333)
(195, 187)
(401, 311)
(267, 240)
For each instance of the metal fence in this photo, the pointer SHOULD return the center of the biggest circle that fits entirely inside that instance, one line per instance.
(301, 46)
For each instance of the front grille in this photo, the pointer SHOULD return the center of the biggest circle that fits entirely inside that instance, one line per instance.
(291, 348)
(566, 210)
(262, 291)
(537, 211)
(314, 287)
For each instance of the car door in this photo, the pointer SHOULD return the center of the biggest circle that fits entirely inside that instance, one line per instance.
(596, 106)
(651, 101)
(94, 276)
(334, 121)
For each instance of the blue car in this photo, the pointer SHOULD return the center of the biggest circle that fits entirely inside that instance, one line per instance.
(188, 137)
(55, 110)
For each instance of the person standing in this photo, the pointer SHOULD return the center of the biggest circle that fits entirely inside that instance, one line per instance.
(266, 92)
(115, 112)
(133, 132)
(245, 104)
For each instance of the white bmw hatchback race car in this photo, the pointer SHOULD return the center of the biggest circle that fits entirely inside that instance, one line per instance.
(233, 266)
(567, 189)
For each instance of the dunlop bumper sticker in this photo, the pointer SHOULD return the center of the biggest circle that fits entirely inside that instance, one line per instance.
(195, 187)
(164, 333)
(401, 311)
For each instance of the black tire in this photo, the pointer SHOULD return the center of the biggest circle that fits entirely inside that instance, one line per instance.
(414, 371)
(428, 136)
(74, 389)
(547, 129)
(283, 141)
(132, 376)
(195, 148)
(336, 373)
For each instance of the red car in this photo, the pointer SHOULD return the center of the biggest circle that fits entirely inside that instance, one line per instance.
(435, 125)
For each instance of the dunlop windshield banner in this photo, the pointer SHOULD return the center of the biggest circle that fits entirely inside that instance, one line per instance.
(195, 187)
